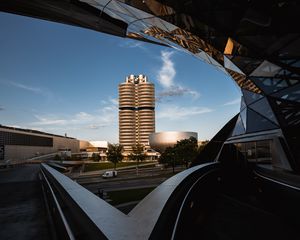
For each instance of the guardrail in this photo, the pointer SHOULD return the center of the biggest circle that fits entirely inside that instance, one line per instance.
(83, 215)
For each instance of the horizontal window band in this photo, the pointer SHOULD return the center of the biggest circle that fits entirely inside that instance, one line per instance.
(136, 108)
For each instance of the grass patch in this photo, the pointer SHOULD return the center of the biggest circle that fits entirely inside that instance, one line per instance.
(106, 165)
(129, 195)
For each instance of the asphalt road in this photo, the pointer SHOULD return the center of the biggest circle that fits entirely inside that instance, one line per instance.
(127, 179)
(22, 211)
(125, 184)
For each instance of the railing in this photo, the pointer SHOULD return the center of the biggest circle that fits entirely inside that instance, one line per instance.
(62, 229)
(79, 214)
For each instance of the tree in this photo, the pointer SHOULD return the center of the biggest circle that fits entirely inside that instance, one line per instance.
(202, 146)
(138, 155)
(95, 157)
(168, 157)
(186, 150)
(114, 153)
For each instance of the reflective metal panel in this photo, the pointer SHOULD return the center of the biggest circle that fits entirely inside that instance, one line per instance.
(161, 140)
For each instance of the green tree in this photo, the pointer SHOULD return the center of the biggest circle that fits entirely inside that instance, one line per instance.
(186, 150)
(114, 153)
(202, 146)
(168, 157)
(95, 157)
(138, 155)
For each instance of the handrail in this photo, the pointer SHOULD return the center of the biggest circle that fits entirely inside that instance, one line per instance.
(66, 226)
(100, 220)
(186, 198)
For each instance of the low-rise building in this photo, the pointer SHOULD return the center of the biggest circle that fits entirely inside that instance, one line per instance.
(18, 144)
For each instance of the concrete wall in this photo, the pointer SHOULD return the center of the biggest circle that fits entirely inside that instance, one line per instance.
(62, 142)
(20, 152)
(13, 152)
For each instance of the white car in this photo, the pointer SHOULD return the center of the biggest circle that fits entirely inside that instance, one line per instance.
(110, 174)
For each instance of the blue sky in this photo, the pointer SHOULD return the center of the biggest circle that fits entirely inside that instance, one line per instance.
(63, 79)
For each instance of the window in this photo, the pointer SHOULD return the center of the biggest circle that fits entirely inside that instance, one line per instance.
(258, 151)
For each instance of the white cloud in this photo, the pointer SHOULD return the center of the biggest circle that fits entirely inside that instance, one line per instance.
(166, 78)
(48, 120)
(83, 116)
(175, 112)
(114, 101)
(106, 116)
(233, 102)
(26, 87)
(177, 91)
(33, 89)
(167, 72)
(129, 43)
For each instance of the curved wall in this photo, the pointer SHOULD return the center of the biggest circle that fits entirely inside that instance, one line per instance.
(161, 140)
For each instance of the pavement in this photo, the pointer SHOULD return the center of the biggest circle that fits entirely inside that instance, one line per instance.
(22, 210)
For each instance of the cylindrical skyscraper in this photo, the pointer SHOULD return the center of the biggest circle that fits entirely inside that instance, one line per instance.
(136, 111)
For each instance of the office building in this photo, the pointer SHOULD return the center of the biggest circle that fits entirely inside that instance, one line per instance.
(136, 111)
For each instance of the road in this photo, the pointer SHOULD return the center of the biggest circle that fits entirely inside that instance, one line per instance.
(127, 179)
(22, 211)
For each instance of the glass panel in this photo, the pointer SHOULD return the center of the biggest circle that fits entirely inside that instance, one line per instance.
(270, 85)
(250, 151)
(244, 117)
(202, 55)
(293, 81)
(258, 151)
(126, 9)
(230, 65)
(291, 94)
(247, 65)
(263, 151)
(243, 104)
(290, 111)
(296, 64)
(256, 122)
(160, 23)
(263, 107)
(266, 69)
(239, 128)
(241, 151)
(118, 15)
(251, 97)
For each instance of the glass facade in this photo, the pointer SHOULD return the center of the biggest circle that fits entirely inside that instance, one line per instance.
(258, 151)
(11, 138)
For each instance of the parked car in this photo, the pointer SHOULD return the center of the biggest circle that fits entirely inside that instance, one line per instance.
(110, 174)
